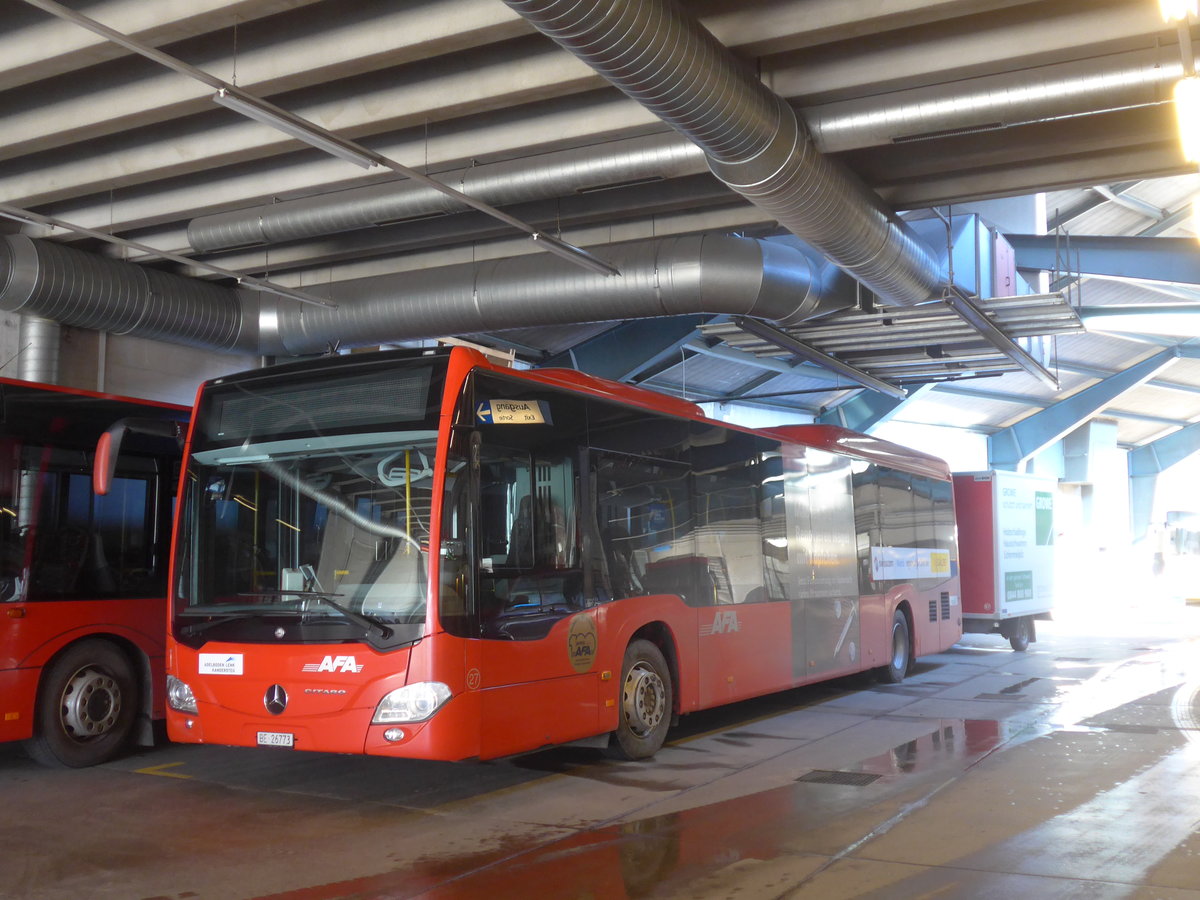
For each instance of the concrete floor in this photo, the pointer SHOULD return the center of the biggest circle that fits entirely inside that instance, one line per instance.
(1072, 770)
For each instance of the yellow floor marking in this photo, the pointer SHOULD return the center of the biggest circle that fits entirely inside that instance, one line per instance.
(158, 770)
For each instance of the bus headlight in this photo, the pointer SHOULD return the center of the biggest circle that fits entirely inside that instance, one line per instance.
(180, 696)
(411, 703)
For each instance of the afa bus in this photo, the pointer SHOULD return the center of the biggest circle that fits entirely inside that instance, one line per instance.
(425, 555)
(83, 576)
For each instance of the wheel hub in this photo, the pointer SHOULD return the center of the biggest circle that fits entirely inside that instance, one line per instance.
(644, 699)
(91, 703)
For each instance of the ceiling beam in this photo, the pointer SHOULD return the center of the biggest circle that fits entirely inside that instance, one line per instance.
(1145, 258)
(1158, 456)
(623, 352)
(1011, 446)
(867, 409)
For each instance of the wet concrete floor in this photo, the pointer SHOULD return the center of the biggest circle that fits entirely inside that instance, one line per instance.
(1069, 771)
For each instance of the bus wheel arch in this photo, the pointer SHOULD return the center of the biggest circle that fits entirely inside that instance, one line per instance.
(645, 697)
(899, 647)
(88, 701)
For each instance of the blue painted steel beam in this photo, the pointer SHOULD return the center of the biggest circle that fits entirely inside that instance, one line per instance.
(1008, 448)
(866, 409)
(1157, 456)
(622, 352)
(1148, 258)
(1145, 464)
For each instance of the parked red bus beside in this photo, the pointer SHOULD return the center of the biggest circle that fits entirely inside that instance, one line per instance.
(82, 576)
(426, 555)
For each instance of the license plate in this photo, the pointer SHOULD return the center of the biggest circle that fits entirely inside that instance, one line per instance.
(276, 739)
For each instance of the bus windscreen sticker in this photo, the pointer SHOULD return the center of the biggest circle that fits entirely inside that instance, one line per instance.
(220, 664)
(513, 412)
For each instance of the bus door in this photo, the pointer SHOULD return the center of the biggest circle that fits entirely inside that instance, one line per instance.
(533, 659)
(827, 621)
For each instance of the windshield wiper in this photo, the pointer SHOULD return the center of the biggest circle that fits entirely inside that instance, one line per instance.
(368, 624)
(201, 627)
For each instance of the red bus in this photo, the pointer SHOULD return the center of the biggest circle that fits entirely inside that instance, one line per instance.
(83, 577)
(426, 555)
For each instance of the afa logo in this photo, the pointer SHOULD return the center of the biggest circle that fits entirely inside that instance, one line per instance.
(582, 643)
(724, 622)
(334, 664)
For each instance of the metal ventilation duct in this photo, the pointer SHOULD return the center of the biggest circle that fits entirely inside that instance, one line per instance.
(670, 64)
(73, 287)
(669, 277)
(580, 170)
(39, 341)
(675, 276)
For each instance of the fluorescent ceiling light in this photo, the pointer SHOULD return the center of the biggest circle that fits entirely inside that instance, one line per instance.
(1177, 10)
(1179, 320)
(1187, 116)
(310, 134)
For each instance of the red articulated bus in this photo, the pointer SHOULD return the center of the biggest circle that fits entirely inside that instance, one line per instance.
(426, 555)
(83, 577)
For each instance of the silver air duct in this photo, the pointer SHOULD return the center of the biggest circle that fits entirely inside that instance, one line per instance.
(38, 344)
(74, 287)
(653, 157)
(668, 277)
(670, 64)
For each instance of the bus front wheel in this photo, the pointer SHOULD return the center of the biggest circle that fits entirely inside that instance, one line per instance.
(900, 649)
(86, 707)
(645, 703)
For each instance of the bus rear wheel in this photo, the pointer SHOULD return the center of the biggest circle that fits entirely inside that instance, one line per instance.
(901, 651)
(645, 703)
(86, 707)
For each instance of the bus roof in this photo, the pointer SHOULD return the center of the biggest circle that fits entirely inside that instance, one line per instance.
(91, 395)
(823, 437)
(863, 446)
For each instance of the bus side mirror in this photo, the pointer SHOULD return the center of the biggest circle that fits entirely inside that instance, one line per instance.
(108, 448)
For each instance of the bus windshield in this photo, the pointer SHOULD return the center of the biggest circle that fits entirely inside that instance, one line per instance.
(334, 541)
(307, 507)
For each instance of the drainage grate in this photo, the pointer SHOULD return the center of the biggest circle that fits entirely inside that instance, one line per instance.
(851, 779)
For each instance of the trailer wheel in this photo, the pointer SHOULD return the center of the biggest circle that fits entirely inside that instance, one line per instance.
(645, 703)
(1019, 634)
(86, 707)
(901, 659)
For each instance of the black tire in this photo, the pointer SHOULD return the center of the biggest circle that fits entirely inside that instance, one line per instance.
(901, 651)
(645, 703)
(1019, 634)
(87, 703)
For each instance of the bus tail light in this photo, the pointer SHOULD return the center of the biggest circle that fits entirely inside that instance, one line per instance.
(411, 703)
(180, 696)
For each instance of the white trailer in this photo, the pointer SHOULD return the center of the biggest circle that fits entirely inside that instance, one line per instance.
(1006, 552)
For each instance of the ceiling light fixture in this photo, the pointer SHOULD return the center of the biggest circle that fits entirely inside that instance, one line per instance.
(1177, 10)
(267, 114)
(1187, 116)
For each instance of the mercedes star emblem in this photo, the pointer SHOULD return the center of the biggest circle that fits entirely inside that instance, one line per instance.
(275, 700)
